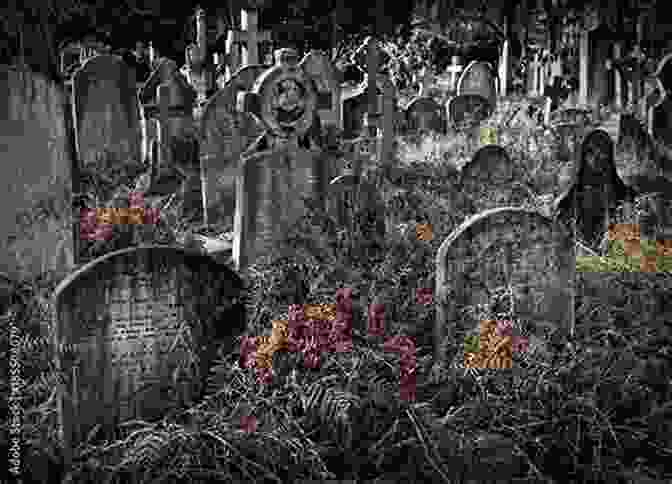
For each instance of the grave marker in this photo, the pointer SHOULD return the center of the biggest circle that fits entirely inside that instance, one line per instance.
(454, 69)
(283, 167)
(423, 115)
(491, 180)
(498, 247)
(661, 113)
(135, 333)
(37, 169)
(595, 189)
(225, 135)
(478, 80)
(249, 36)
(323, 71)
(106, 113)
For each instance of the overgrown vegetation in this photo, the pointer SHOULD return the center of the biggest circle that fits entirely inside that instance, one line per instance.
(597, 411)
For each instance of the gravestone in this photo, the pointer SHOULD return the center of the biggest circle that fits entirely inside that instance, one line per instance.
(284, 166)
(569, 137)
(170, 108)
(595, 190)
(478, 79)
(166, 72)
(601, 79)
(469, 110)
(37, 170)
(661, 121)
(423, 115)
(355, 102)
(106, 113)
(498, 247)
(225, 135)
(476, 95)
(135, 333)
(491, 180)
(327, 78)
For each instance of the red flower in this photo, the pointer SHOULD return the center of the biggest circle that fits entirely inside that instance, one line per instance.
(311, 358)
(343, 346)
(423, 295)
(376, 315)
(136, 200)
(87, 222)
(519, 344)
(504, 328)
(400, 343)
(248, 423)
(101, 233)
(151, 216)
(264, 375)
(248, 348)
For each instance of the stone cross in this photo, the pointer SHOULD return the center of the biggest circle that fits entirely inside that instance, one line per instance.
(426, 82)
(504, 69)
(535, 78)
(250, 36)
(618, 77)
(454, 69)
(163, 98)
(584, 65)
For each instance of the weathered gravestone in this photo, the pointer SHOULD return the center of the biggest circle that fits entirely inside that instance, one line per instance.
(283, 168)
(492, 180)
(424, 115)
(135, 333)
(225, 135)
(355, 103)
(327, 80)
(107, 117)
(37, 169)
(168, 103)
(595, 190)
(476, 95)
(494, 249)
(661, 116)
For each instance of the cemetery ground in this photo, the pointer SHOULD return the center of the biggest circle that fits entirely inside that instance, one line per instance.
(594, 409)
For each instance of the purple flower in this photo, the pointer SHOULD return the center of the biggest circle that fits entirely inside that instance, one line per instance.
(519, 344)
(423, 295)
(248, 423)
(248, 348)
(311, 357)
(136, 200)
(401, 344)
(504, 328)
(264, 375)
(101, 233)
(376, 314)
(151, 216)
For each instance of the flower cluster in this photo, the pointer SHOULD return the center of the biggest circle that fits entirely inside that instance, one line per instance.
(407, 360)
(309, 330)
(495, 345)
(96, 224)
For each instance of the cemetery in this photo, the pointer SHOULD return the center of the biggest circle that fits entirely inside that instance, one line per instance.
(441, 253)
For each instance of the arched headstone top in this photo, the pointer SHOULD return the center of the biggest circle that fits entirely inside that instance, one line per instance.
(479, 220)
(190, 256)
(503, 248)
